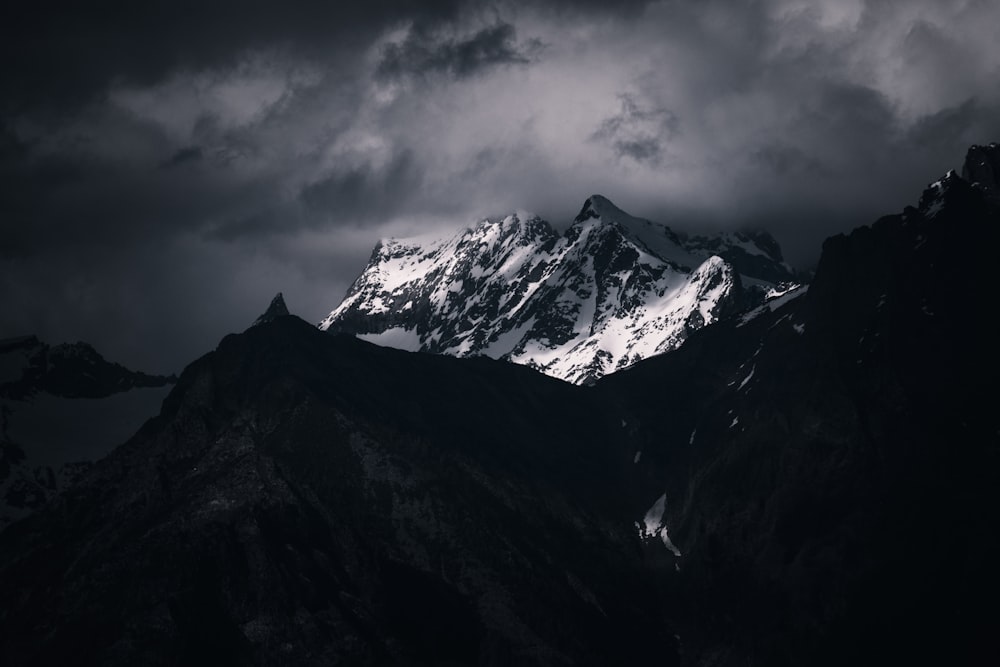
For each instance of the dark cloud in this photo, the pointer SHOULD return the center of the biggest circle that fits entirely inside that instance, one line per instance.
(365, 193)
(182, 156)
(785, 160)
(65, 52)
(636, 132)
(166, 167)
(423, 52)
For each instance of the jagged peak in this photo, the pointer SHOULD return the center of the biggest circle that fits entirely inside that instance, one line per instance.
(982, 166)
(519, 223)
(276, 309)
(598, 206)
(937, 193)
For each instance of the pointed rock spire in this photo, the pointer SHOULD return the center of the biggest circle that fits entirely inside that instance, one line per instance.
(982, 165)
(274, 311)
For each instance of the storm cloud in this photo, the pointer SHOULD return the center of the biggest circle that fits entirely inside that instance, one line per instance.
(636, 133)
(423, 53)
(167, 167)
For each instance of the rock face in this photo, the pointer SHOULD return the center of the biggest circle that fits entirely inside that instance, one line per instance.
(612, 290)
(829, 461)
(61, 407)
(982, 166)
(276, 309)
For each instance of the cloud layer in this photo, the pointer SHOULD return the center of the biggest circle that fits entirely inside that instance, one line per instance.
(167, 167)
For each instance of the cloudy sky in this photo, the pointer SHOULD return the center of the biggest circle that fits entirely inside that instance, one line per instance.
(166, 167)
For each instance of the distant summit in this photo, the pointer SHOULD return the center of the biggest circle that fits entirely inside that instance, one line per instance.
(276, 309)
(611, 290)
(61, 407)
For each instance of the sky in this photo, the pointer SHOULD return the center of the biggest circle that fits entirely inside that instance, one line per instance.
(166, 167)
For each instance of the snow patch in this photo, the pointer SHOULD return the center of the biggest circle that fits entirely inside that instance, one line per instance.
(654, 526)
(397, 337)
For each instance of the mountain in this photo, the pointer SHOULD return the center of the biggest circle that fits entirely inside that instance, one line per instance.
(275, 309)
(982, 167)
(306, 498)
(811, 482)
(61, 407)
(613, 289)
(829, 465)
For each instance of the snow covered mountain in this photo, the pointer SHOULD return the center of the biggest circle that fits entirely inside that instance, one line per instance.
(613, 289)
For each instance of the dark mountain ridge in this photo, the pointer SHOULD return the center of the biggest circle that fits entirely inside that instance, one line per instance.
(61, 406)
(303, 498)
(70, 370)
(833, 461)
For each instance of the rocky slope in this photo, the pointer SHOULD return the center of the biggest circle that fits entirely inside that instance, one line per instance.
(305, 498)
(829, 466)
(612, 290)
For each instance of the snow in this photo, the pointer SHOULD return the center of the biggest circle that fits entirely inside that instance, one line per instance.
(654, 526)
(734, 241)
(654, 515)
(785, 297)
(799, 328)
(780, 290)
(667, 543)
(774, 303)
(517, 298)
(691, 439)
(638, 455)
(508, 340)
(736, 420)
(747, 378)
(397, 337)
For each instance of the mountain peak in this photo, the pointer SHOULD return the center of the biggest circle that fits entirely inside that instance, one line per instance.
(596, 206)
(982, 165)
(276, 309)
(611, 290)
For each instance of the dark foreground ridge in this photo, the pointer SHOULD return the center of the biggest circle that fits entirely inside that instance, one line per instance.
(308, 498)
(832, 464)
(824, 469)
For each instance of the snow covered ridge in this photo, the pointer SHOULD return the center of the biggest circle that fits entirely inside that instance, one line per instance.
(610, 291)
